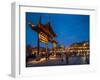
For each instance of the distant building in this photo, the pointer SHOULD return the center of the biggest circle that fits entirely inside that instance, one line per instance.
(80, 49)
(42, 50)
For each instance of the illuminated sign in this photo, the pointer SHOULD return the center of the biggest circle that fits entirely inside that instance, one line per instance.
(43, 37)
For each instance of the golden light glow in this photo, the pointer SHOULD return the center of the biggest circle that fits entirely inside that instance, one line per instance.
(43, 38)
(34, 61)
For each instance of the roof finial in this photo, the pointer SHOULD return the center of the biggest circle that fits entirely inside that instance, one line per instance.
(39, 19)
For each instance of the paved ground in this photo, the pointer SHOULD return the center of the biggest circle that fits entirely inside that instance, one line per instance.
(54, 60)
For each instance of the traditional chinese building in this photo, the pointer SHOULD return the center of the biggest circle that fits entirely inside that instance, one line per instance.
(45, 35)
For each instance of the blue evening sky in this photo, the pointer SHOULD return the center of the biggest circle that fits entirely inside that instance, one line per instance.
(70, 28)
